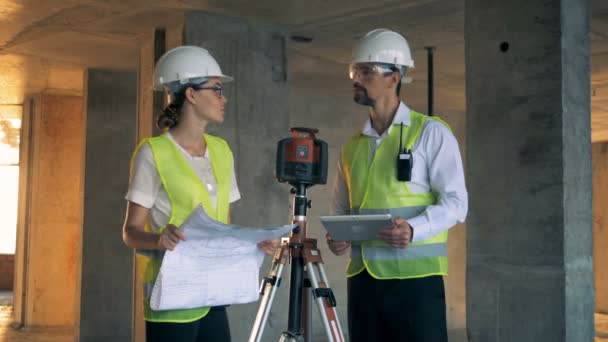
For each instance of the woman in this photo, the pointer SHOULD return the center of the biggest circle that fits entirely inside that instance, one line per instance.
(171, 175)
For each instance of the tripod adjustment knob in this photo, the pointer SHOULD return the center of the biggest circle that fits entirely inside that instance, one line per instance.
(327, 293)
(268, 280)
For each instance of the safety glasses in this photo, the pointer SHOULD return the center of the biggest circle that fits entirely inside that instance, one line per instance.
(367, 71)
(217, 89)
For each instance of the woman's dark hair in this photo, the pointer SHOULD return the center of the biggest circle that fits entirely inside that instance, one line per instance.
(171, 114)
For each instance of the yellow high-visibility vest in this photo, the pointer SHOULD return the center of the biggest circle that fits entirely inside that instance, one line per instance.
(185, 192)
(373, 188)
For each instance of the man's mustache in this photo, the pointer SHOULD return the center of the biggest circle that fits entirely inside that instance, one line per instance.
(359, 87)
(362, 99)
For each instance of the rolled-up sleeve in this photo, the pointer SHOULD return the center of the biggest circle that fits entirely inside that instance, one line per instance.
(145, 181)
(446, 177)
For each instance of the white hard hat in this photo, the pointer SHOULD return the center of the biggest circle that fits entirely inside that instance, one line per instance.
(383, 46)
(186, 64)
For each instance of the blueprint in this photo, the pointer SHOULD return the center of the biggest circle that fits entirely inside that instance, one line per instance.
(218, 264)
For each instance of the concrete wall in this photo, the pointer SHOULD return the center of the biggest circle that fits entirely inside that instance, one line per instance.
(106, 282)
(600, 225)
(529, 232)
(22, 76)
(55, 211)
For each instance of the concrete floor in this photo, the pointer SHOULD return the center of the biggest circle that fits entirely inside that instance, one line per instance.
(601, 328)
(8, 334)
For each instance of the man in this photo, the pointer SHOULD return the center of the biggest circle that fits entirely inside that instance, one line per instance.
(407, 164)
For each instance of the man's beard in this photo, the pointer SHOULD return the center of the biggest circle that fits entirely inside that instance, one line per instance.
(363, 99)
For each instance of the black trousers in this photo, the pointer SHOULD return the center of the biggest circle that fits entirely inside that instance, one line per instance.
(408, 310)
(211, 328)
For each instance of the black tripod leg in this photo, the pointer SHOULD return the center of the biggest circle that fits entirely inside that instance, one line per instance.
(295, 296)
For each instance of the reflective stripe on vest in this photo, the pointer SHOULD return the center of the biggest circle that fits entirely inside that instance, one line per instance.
(185, 192)
(411, 252)
(374, 189)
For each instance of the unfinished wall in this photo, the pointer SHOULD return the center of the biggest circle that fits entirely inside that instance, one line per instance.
(55, 211)
(600, 225)
(530, 230)
(23, 75)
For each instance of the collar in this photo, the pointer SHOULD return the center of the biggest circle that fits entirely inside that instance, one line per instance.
(402, 116)
(168, 134)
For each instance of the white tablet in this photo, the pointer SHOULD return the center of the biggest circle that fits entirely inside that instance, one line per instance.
(355, 227)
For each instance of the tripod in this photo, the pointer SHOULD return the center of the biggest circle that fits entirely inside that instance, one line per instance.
(305, 257)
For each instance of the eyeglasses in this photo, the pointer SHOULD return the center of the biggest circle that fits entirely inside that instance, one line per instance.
(217, 89)
(367, 71)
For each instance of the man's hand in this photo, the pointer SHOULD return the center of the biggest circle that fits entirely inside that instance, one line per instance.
(398, 235)
(337, 247)
(170, 237)
(269, 246)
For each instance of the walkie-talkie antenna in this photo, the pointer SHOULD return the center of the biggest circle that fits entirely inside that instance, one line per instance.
(401, 138)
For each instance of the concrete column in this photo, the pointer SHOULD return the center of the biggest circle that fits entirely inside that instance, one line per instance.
(107, 264)
(529, 231)
(257, 116)
(50, 235)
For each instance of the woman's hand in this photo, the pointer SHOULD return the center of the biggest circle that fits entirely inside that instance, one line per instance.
(170, 237)
(269, 246)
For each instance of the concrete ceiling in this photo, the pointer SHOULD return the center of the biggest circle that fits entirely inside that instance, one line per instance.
(104, 33)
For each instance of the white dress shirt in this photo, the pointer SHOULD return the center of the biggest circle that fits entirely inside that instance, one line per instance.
(437, 167)
(147, 190)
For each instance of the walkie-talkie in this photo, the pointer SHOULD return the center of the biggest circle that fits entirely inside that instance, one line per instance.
(404, 161)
